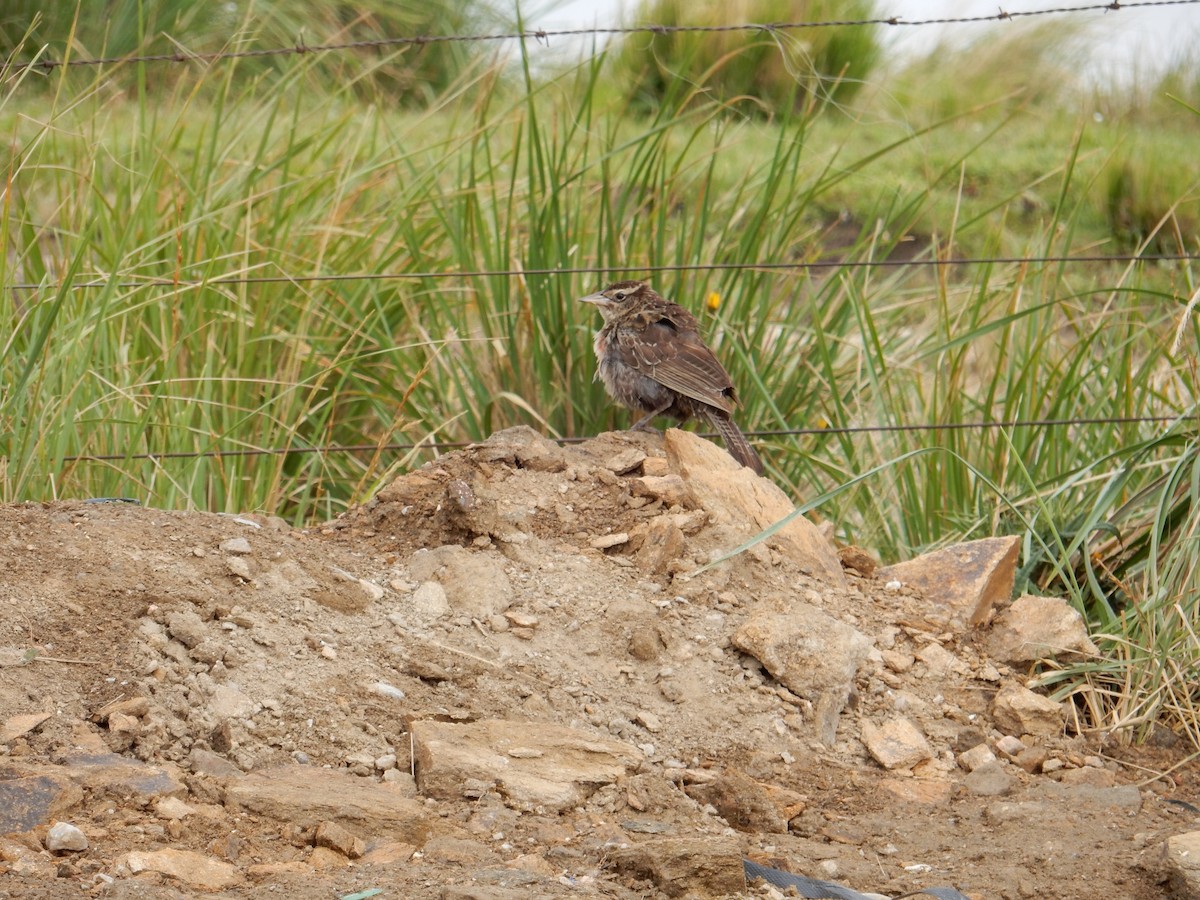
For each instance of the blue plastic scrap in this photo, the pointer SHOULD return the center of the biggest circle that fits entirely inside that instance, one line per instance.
(816, 889)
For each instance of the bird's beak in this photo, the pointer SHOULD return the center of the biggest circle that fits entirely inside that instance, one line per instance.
(597, 299)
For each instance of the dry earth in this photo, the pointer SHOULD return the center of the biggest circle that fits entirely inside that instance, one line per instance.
(226, 704)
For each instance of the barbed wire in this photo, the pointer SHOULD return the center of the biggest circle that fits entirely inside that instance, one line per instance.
(544, 35)
(437, 274)
(777, 432)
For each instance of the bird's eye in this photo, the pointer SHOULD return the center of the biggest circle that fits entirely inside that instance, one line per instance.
(619, 295)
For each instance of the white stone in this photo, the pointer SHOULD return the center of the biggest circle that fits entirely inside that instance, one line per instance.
(385, 762)
(64, 836)
(606, 541)
(383, 689)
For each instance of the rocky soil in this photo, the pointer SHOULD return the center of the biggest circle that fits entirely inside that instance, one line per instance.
(522, 671)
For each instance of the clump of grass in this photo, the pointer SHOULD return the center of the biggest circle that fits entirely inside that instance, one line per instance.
(408, 74)
(1134, 152)
(190, 192)
(1035, 65)
(781, 72)
(1135, 568)
(1152, 197)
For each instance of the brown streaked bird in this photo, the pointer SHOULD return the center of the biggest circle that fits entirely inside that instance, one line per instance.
(653, 360)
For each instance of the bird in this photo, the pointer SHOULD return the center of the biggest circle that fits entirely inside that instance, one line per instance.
(652, 359)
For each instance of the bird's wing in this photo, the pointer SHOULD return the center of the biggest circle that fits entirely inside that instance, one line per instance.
(669, 349)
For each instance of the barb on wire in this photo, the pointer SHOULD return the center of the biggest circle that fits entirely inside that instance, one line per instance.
(542, 36)
(603, 270)
(778, 432)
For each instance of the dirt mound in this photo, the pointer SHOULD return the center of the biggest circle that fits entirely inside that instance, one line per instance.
(219, 702)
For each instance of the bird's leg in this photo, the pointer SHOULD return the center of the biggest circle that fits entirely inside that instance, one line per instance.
(640, 424)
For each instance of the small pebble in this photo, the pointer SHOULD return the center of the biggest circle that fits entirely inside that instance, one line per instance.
(606, 541)
(373, 591)
(385, 762)
(238, 545)
(520, 619)
(648, 720)
(1010, 746)
(387, 690)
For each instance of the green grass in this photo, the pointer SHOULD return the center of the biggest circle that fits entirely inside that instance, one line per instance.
(411, 75)
(217, 175)
(783, 73)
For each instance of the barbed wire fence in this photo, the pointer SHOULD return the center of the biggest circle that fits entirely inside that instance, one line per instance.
(767, 432)
(542, 37)
(441, 274)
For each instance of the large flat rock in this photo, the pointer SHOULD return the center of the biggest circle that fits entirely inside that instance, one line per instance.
(307, 796)
(33, 795)
(113, 775)
(703, 866)
(31, 799)
(195, 870)
(530, 764)
(962, 582)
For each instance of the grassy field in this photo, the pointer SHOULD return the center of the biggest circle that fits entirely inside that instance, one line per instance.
(137, 208)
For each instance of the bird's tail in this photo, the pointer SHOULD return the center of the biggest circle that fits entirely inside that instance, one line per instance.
(735, 442)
